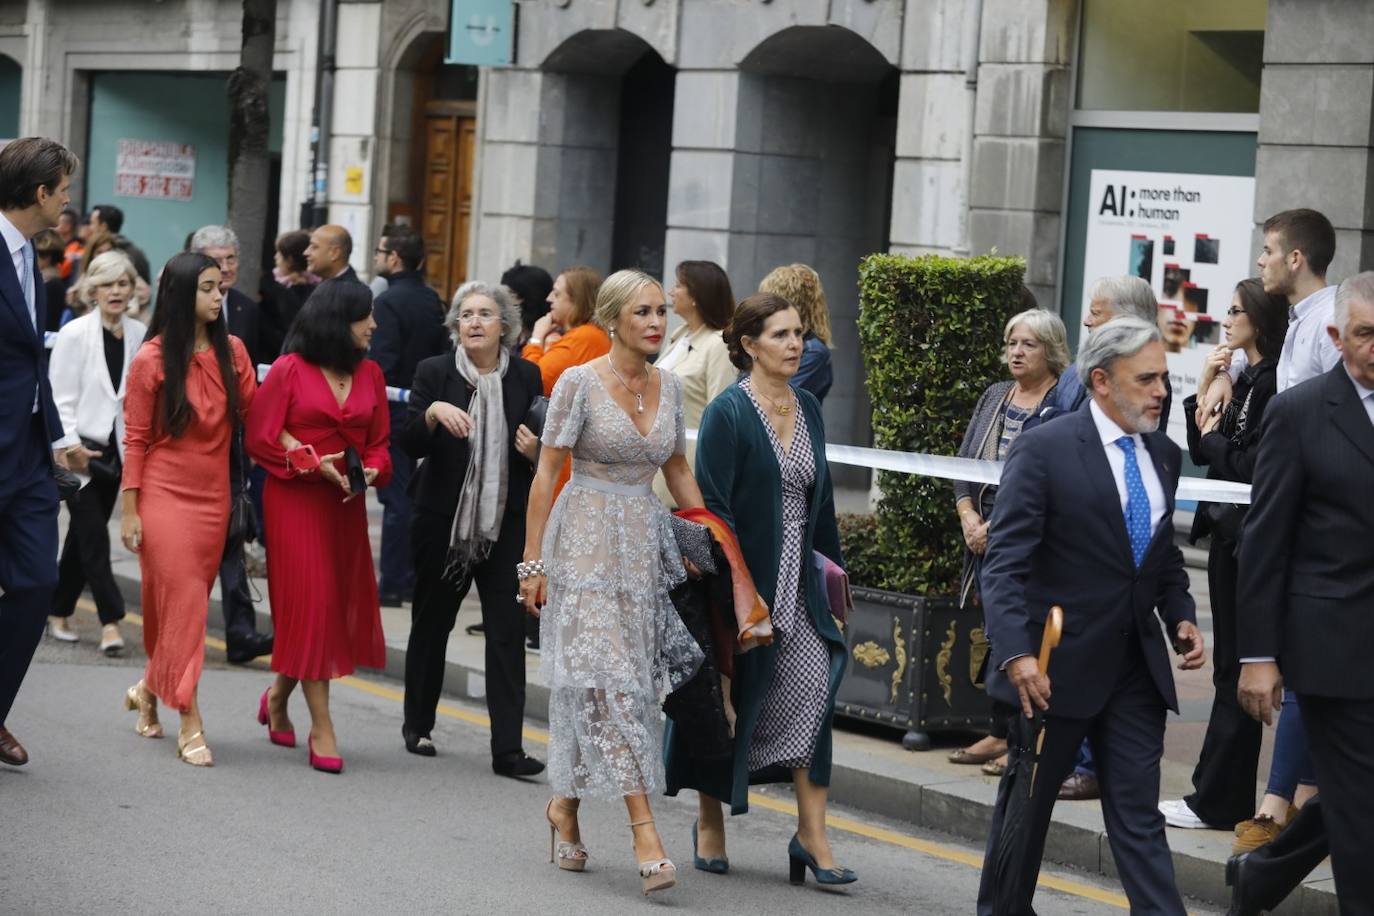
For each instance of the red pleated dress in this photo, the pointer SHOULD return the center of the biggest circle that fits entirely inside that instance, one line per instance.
(183, 501)
(320, 577)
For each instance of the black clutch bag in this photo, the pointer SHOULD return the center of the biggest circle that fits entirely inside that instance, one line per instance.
(534, 417)
(357, 480)
(106, 467)
(68, 484)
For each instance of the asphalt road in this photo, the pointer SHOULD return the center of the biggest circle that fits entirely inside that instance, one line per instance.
(103, 821)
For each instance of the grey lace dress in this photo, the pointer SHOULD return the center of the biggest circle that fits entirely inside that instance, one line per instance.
(799, 694)
(612, 642)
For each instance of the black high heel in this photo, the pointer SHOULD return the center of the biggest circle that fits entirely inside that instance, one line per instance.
(799, 860)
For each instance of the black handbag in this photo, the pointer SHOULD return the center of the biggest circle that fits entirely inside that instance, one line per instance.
(534, 417)
(105, 467)
(353, 463)
(243, 516)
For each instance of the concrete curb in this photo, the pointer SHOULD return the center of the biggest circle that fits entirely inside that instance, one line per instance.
(921, 797)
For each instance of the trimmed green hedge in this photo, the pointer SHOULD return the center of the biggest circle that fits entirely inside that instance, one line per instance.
(931, 330)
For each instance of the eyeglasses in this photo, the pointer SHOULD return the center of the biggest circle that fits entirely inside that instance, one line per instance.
(1233, 311)
(474, 317)
(383, 251)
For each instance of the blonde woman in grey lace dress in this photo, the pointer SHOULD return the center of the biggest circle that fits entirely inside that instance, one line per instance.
(599, 566)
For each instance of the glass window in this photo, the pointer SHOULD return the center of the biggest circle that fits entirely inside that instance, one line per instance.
(1171, 55)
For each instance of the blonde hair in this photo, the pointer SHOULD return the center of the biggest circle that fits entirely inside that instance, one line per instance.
(106, 267)
(1049, 330)
(801, 286)
(617, 291)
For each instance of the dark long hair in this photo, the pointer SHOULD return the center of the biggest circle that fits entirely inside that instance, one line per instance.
(321, 333)
(1268, 312)
(709, 286)
(174, 320)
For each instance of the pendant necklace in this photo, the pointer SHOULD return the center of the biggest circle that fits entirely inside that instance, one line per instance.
(639, 398)
(783, 409)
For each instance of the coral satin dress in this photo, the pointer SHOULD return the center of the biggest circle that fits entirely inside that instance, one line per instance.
(320, 576)
(183, 500)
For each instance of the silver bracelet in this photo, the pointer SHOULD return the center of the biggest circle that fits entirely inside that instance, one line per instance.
(529, 570)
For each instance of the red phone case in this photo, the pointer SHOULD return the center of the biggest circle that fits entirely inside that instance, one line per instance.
(302, 458)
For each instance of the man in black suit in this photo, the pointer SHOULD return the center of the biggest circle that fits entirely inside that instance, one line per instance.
(328, 252)
(410, 328)
(1084, 520)
(242, 639)
(35, 175)
(1306, 604)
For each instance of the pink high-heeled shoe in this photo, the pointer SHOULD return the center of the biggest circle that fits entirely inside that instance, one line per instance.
(283, 739)
(321, 763)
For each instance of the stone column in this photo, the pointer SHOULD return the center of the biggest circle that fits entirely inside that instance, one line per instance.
(1317, 121)
(352, 140)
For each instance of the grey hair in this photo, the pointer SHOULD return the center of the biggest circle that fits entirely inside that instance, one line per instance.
(1125, 336)
(505, 303)
(1049, 330)
(106, 267)
(1359, 287)
(214, 237)
(1128, 296)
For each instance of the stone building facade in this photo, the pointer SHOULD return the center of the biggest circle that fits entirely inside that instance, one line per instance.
(761, 132)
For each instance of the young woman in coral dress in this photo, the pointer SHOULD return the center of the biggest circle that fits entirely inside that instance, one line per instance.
(187, 387)
(323, 393)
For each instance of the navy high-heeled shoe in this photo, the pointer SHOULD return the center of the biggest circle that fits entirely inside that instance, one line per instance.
(800, 860)
(714, 866)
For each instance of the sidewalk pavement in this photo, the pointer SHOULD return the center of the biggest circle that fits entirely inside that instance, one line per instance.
(873, 772)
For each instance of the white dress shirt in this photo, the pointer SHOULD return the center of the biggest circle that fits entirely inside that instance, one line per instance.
(1307, 349)
(1366, 396)
(1109, 432)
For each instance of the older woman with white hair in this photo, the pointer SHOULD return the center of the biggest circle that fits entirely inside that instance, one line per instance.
(89, 362)
(1036, 352)
(467, 426)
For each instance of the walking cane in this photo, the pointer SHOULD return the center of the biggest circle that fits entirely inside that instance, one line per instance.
(1054, 629)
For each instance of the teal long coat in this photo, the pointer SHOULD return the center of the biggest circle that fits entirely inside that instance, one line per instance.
(740, 482)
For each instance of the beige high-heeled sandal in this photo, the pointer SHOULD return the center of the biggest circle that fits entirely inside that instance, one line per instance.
(147, 724)
(195, 756)
(571, 856)
(655, 874)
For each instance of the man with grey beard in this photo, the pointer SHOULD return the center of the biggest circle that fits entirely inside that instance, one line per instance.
(1084, 519)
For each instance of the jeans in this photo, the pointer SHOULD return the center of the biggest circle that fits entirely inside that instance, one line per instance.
(1292, 764)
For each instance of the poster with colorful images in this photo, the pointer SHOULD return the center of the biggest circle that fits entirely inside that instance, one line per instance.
(1189, 237)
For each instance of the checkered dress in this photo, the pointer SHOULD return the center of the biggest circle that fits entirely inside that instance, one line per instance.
(799, 692)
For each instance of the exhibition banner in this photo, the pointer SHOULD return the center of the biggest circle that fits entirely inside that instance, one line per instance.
(1189, 237)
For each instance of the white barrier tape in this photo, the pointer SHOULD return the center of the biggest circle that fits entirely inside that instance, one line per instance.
(976, 471)
(398, 395)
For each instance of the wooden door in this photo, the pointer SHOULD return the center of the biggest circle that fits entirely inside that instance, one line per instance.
(447, 204)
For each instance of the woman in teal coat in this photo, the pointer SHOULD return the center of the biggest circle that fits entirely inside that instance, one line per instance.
(761, 468)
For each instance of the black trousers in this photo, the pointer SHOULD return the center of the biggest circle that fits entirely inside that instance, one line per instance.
(1224, 779)
(86, 553)
(1127, 739)
(236, 598)
(1341, 736)
(28, 558)
(434, 611)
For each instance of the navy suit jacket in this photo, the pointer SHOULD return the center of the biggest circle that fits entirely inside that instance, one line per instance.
(23, 367)
(1058, 536)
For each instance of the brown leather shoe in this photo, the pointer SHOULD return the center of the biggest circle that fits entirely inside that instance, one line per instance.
(11, 751)
(1080, 787)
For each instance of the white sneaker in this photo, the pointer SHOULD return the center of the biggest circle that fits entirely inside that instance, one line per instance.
(1178, 814)
(59, 629)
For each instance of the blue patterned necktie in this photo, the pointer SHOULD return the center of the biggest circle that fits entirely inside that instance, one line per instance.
(1137, 502)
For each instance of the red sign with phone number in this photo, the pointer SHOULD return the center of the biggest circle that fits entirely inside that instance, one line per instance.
(154, 186)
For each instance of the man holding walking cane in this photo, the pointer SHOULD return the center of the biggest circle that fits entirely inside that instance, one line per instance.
(1111, 561)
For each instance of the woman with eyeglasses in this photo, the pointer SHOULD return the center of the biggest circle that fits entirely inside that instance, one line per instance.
(466, 427)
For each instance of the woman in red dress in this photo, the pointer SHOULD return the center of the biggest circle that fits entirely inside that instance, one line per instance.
(324, 394)
(187, 387)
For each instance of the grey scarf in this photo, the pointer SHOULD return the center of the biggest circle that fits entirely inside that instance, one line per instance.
(482, 500)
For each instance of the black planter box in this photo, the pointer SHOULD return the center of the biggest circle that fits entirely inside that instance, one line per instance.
(914, 664)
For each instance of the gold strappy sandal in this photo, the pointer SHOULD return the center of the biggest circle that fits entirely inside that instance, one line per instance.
(195, 756)
(571, 856)
(655, 874)
(147, 724)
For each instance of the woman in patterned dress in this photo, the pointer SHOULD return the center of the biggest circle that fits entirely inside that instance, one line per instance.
(612, 642)
(761, 467)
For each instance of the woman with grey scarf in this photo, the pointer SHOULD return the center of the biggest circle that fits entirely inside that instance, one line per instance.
(467, 415)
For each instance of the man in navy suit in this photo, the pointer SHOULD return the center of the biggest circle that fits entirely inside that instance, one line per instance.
(35, 175)
(1084, 520)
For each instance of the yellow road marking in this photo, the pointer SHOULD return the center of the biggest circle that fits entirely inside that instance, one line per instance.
(843, 824)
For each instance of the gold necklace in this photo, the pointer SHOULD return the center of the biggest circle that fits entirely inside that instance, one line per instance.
(639, 398)
(783, 409)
